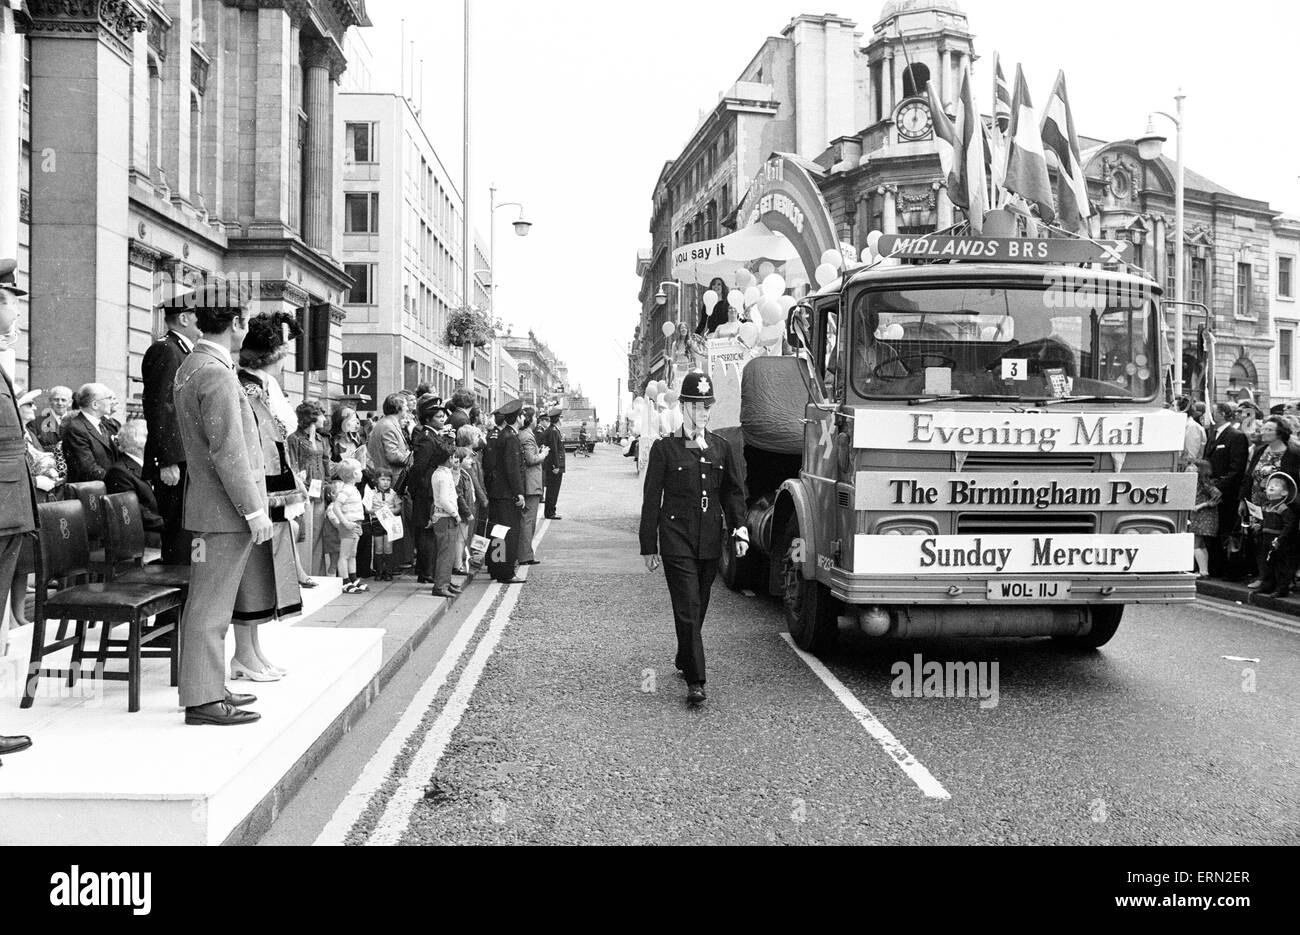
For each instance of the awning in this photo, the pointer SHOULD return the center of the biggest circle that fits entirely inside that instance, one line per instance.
(699, 262)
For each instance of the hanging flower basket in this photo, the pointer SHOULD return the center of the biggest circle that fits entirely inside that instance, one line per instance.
(468, 326)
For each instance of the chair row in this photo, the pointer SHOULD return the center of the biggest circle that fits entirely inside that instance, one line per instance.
(101, 536)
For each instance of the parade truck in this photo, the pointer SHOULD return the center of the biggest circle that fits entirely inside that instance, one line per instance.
(571, 427)
(967, 441)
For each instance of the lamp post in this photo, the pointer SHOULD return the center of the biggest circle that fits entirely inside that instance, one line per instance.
(1149, 145)
(467, 237)
(521, 227)
(661, 299)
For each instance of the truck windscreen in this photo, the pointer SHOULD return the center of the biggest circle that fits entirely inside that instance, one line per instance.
(1003, 342)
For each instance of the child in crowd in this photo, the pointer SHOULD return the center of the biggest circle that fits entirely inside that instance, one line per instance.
(383, 505)
(1277, 536)
(1204, 521)
(444, 520)
(346, 514)
(464, 508)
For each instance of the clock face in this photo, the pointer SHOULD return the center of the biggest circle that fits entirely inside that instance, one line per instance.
(914, 120)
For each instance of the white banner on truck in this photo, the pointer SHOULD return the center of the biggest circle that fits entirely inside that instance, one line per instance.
(923, 429)
(987, 492)
(1048, 553)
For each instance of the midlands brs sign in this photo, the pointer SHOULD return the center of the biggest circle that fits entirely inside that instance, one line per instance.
(1002, 249)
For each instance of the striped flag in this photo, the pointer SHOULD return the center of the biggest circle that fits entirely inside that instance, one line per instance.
(948, 142)
(974, 156)
(1059, 137)
(998, 132)
(1026, 164)
(1001, 97)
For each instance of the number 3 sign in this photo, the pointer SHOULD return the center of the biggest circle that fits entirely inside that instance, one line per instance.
(1015, 368)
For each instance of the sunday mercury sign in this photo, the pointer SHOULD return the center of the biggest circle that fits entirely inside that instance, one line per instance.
(1098, 430)
(1043, 554)
(922, 490)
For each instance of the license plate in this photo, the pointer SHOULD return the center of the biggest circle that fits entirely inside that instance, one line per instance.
(1013, 590)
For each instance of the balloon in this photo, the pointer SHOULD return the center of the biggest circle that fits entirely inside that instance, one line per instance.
(668, 328)
(671, 397)
(765, 269)
(873, 238)
(773, 285)
(770, 311)
(787, 302)
(748, 334)
(771, 334)
(826, 274)
(744, 278)
(736, 299)
(671, 421)
(849, 252)
(832, 258)
(711, 299)
(752, 295)
(894, 332)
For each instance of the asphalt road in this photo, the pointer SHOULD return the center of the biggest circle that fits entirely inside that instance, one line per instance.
(563, 721)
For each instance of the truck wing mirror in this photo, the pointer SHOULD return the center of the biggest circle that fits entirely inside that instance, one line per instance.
(798, 331)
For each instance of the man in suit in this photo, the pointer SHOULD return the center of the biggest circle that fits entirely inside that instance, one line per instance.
(458, 411)
(533, 450)
(553, 466)
(127, 475)
(1227, 450)
(48, 426)
(164, 455)
(387, 444)
(505, 487)
(88, 445)
(17, 492)
(225, 505)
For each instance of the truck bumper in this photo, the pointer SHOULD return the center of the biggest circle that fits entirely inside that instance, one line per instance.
(1165, 588)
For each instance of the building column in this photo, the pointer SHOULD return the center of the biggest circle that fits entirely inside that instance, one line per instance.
(943, 206)
(889, 213)
(318, 151)
(11, 90)
(80, 85)
(889, 84)
(943, 75)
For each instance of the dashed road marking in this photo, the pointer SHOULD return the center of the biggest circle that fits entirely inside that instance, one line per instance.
(923, 778)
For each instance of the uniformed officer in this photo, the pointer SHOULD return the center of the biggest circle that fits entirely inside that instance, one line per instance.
(693, 496)
(504, 473)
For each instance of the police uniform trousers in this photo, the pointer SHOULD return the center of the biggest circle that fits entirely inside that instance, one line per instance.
(690, 581)
(176, 539)
(503, 557)
(553, 482)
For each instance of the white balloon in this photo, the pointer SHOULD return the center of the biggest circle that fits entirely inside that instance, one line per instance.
(667, 328)
(711, 299)
(671, 397)
(770, 311)
(765, 269)
(748, 334)
(826, 274)
(771, 334)
(894, 332)
(773, 285)
(832, 258)
(752, 295)
(744, 278)
(736, 299)
(787, 302)
(873, 238)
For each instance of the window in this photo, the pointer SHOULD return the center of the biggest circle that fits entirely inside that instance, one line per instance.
(914, 79)
(361, 212)
(1242, 307)
(1193, 269)
(1285, 342)
(1284, 287)
(362, 291)
(360, 145)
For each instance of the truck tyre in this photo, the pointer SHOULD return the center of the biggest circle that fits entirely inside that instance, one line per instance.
(737, 573)
(811, 613)
(1105, 621)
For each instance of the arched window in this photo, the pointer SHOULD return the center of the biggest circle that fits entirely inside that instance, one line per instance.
(914, 79)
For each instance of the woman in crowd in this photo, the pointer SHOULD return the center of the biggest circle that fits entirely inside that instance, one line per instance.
(48, 469)
(307, 450)
(1276, 451)
(430, 448)
(712, 318)
(469, 436)
(346, 442)
(269, 588)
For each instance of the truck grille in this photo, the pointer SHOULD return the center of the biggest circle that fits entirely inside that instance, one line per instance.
(993, 461)
(1025, 523)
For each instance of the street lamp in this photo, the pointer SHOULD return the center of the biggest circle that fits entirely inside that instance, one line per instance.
(1148, 146)
(661, 299)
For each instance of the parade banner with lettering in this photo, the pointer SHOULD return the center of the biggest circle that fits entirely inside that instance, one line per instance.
(975, 493)
(785, 198)
(1002, 249)
(919, 429)
(1035, 555)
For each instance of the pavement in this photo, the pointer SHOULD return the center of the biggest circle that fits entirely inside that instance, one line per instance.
(550, 713)
(1236, 592)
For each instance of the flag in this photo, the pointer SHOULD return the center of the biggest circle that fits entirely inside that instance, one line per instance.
(948, 142)
(1001, 97)
(1026, 165)
(1059, 137)
(998, 133)
(974, 156)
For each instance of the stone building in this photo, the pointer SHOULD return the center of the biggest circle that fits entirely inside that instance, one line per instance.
(1285, 253)
(540, 370)
(170, 140)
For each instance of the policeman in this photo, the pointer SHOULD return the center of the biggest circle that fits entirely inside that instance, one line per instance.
(693, 496)
(503, 470)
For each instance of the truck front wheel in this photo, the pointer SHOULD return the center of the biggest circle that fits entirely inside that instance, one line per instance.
(811, 613)
(1105, 621)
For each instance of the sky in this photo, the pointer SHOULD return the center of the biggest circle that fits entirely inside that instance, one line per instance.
(576, 105)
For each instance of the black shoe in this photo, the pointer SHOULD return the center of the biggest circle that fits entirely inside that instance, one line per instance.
(440, 593)
(421, 579)
(238, 701)
(219, 713)
(1281, 592)
(531, 561)
(14, 744)
(555, 517)
(512, 580)
(695, 693)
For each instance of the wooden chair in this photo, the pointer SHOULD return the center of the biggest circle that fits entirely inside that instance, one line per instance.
(90, 493)
(64, 551)
(122, 524)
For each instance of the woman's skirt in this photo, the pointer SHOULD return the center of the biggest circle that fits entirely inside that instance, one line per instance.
(269, 587)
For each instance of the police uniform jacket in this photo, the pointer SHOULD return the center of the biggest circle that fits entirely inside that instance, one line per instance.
(505, 466)
(693, 497)
(17, 493)
(163, 444)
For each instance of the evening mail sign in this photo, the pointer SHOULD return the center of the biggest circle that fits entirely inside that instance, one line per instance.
(1001, 492)
(1100, 430)
(1023, 555)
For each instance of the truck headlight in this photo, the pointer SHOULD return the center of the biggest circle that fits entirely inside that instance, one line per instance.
(907, 528)
(1144, 527)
